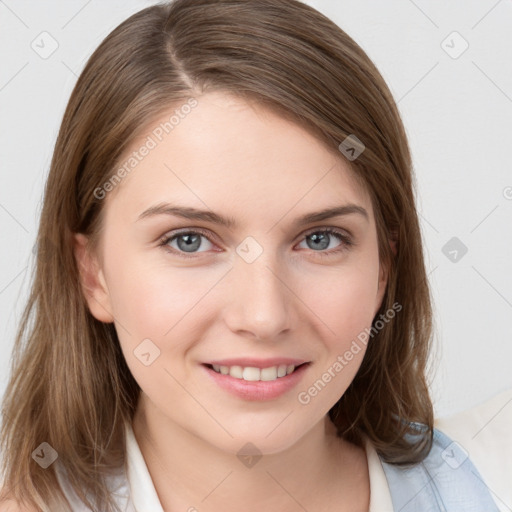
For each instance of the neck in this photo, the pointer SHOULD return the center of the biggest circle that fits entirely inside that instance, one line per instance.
(187, 471)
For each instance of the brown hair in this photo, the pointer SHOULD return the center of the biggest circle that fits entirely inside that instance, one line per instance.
(69, 384)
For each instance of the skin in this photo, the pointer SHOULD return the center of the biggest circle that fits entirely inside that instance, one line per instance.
(242, 161)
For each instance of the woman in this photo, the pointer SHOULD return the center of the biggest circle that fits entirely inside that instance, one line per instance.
(230, 306)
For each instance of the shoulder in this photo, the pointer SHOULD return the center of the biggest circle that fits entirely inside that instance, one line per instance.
(468, 466)
(483, 433)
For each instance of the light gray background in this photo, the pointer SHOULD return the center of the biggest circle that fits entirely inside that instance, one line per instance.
(457, 110)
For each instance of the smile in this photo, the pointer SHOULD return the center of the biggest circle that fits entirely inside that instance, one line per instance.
(256, 384)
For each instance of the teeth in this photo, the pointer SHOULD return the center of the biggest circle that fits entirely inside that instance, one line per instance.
(250, 373)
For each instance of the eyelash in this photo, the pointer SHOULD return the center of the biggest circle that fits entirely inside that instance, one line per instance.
(346, 240)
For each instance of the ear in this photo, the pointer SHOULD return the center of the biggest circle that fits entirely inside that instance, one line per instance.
(92, 280)
(383, 278)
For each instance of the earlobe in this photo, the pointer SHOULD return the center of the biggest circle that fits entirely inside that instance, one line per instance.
(92, 281)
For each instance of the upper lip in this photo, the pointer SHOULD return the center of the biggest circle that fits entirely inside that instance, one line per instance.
(257, 363)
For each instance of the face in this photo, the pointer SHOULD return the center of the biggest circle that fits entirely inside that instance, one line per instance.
(269, 290)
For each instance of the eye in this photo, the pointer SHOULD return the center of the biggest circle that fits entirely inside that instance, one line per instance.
(321, 239)
(187, 242)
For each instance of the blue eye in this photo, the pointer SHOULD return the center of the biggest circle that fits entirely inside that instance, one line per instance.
(186, 240)
(192, 239)
(322, 237)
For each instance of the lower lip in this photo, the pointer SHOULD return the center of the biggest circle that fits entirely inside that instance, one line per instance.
(257, 390)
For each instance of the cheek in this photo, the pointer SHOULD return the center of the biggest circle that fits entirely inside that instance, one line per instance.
(345, 302)
(165, 306)
(168, 305)
(345, 299)
(153, 299)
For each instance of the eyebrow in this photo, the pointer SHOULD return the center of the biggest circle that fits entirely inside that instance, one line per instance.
(190, 213)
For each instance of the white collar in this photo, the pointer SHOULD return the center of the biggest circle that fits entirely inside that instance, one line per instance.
(142, 491)
(145, 498)
(380, 497)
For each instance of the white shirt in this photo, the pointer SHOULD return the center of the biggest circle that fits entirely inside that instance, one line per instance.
(485, 432)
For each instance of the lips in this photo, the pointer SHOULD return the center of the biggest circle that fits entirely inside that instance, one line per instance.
(247, 383)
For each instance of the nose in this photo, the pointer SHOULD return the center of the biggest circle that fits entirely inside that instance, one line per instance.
(260, 298)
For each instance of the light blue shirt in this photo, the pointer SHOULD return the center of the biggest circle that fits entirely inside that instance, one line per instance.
(445, 481)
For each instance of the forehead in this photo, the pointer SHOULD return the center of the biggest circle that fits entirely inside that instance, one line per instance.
(226, 153)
